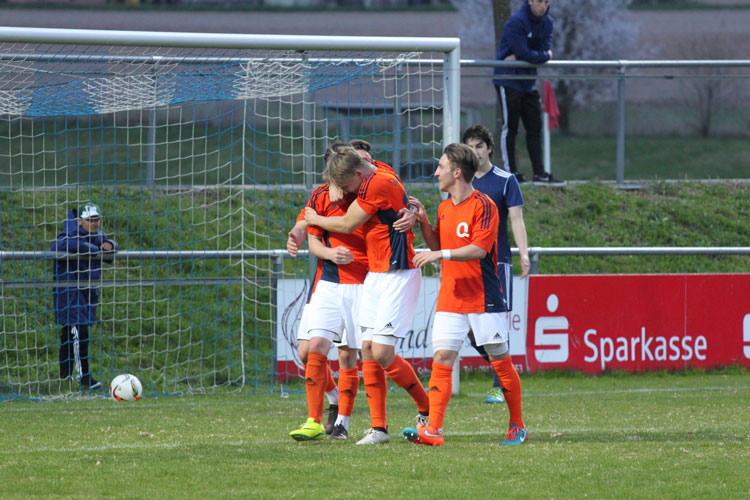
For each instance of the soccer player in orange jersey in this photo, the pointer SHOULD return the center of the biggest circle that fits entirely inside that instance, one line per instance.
(392, 284)
(502, 188)
(330, 318)
(470, 297)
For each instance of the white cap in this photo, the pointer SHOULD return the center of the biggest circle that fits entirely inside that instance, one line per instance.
(89, 211)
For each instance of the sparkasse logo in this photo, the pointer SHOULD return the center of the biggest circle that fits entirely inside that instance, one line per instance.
(643, 348)
(551, 335)
(635, 323)
(552, 343)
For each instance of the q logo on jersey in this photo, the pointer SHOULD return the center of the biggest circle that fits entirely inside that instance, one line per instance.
(462, 230)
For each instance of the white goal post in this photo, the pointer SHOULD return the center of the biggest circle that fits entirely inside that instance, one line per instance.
(199, 150)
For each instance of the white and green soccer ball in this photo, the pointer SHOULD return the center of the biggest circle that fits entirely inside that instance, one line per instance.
(126, 387)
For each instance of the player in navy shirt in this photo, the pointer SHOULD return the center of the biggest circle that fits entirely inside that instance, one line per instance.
(502, 187)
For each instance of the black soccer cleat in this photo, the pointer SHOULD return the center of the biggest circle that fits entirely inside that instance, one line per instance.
(333, 413)
(339, 432)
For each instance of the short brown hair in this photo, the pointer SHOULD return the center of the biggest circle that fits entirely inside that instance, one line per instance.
(333, 147)
(360, 145)
(341, 163)
(481, 133)
(463, 157)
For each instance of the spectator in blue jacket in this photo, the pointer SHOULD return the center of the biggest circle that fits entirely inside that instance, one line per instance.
(75, 303)
(527, 36)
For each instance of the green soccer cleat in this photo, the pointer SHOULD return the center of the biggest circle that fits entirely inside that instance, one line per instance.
(495, 396)
(310, 431)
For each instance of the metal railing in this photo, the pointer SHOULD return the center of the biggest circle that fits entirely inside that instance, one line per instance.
(620, 71)
(278, 256)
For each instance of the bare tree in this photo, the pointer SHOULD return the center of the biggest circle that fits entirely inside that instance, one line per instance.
(704, 94)
(500, 13)
(479, 20)
(475, 26)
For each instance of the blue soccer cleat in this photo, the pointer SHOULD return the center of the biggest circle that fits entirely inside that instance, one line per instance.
(516, 435)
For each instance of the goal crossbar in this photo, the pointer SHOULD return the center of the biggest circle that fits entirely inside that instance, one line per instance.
(226, 40)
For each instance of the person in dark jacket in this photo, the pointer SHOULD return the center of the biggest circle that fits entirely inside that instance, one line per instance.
(75, 305)
(527, 36)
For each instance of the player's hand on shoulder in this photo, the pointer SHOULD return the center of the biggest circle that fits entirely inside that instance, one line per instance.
(420, 210)
(342, 255)
(310, 215)
(406, 222)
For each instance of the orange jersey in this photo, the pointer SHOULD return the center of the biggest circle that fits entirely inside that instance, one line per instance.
(382, 196)
(355, 271)
(385, 168)
(473, 286)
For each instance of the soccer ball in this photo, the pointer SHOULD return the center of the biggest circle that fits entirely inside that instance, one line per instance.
(126, 387)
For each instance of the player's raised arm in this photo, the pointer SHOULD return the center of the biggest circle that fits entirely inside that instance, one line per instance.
(346, 224)
(430, 236)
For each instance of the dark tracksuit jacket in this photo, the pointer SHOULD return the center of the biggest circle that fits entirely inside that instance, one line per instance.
(76, 305)
(528, 38)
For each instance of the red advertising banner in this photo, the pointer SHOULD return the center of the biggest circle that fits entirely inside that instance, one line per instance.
(638, 322)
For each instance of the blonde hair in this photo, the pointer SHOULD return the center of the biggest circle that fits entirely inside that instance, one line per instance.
(341, 163)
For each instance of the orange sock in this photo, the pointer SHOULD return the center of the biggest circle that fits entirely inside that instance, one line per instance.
(348, 386)
(315, 384)
(330, 383)
(441, 389)
(511, 384)
(376, 389)
(404, 375)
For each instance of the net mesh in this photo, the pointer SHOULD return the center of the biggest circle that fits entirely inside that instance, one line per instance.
(184, 150)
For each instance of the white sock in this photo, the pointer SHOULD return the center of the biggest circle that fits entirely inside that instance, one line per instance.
(343, 421)
(333, 396)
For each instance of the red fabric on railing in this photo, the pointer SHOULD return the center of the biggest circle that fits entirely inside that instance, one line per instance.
(550, 105)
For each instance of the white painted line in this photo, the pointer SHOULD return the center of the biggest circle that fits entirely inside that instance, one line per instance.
(644, 390)
(130, 446)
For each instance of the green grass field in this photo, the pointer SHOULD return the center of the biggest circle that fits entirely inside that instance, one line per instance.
(654, 435)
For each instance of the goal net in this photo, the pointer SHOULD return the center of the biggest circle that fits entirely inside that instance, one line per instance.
(199, 152)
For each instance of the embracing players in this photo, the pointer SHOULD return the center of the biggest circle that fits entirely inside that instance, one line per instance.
(391, 288)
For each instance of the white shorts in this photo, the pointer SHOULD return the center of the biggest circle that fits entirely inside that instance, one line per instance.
(449, 329)
(334, 308)
(389, 302)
